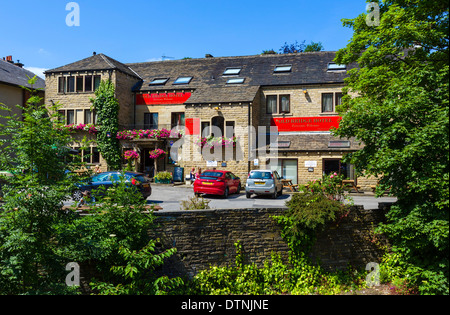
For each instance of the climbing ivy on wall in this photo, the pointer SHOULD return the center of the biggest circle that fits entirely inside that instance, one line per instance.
(107, 107)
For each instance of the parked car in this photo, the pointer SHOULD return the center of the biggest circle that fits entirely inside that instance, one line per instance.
(109, 179)
(216, 182)
(264, 182)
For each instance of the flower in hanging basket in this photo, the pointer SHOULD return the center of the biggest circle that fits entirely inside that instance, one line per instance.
(131, 155)
(157, 153)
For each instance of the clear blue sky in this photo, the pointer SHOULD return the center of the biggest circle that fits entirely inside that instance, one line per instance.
(35, 32)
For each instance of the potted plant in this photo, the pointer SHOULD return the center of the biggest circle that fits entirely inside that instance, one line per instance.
(130, 156)
(163, 177)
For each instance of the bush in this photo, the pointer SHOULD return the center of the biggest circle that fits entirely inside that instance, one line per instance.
(195, 203)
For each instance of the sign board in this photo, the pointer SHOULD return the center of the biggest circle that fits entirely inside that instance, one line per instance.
(192, 126)
(162, 98)
(309, 164)
(178, 174)
(306, 123)
(211, 163)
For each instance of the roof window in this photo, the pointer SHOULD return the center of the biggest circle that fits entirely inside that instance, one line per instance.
(232, 71)
(335, 66)
(236, 81)
(282, 68)
(159, 81)
(183, 80)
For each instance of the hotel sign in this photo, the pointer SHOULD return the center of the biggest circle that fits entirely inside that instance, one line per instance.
(162, 98)
(306, 123)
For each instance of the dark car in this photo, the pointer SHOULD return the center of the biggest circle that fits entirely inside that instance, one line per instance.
(215, 182)
(109, 179)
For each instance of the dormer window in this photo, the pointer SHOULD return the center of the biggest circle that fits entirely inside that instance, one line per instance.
(183, 80)
(335, 67)
(282, 68)
(159, 81)
(232, 71)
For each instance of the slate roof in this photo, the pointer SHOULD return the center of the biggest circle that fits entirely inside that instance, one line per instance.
(14, 75)
(95, 62)
(211, 86)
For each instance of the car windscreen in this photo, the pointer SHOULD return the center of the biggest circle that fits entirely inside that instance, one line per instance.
(260, 175)
(211, 175)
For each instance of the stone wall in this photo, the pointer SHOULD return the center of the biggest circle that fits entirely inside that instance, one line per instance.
(207, 237)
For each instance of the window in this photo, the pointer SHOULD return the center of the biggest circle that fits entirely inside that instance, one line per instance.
(88, 116)
(80, 84)
(151, 121)
(62, 85)
(70, 117)
(61, 116)
(88, 83)
(177, 119)
(97, 80)
(283, 68)
(334, 66)
(285, 106)
(229, 129)
(236, 81)
(271, 104)
(206, 128)
(183, 80)
(278, 104)
(160, 81)
(232, 71)
(70, 84)
(330, 101)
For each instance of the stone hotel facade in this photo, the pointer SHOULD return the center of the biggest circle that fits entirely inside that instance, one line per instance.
(288, 100)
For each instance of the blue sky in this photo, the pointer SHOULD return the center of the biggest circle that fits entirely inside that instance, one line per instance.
(35, 32)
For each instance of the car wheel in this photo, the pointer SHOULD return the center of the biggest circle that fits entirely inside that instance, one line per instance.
(225, 195)
(238, 191)
(275, 194)
(77, 195)
(248, 195)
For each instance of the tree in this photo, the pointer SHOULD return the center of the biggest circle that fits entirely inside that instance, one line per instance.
(397, 104)
(298, 48)
(107, 108)
(35, 155)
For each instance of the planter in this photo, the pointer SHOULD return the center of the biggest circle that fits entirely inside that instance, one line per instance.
(163, 181)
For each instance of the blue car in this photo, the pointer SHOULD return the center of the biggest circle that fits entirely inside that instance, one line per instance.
(109, 179)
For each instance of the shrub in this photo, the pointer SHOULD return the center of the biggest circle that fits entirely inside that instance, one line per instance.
(195, 203)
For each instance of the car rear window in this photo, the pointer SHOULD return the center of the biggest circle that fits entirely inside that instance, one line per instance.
(211, 174)
(260, 175)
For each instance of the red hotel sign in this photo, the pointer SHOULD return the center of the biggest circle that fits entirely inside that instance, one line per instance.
(162, 98)
(306, 123)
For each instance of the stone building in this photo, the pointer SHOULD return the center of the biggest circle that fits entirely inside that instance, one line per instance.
(235, 113)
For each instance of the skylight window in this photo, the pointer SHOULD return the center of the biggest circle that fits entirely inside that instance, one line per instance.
(232, 71)
(283, 68)
(159, 81)
(335, 66)
(183, 80)
(236, 81)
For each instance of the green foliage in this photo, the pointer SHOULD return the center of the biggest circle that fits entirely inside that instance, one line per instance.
(309, 212)
(164, 175)
(107, 108)
(298, 276)
(397, 104)
(116, 238)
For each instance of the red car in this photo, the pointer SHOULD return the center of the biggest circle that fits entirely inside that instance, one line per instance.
(216, 182)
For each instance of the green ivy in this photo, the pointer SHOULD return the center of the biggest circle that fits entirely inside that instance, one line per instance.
(107, 108)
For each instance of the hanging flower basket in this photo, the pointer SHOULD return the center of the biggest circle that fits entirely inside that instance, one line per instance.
(147, 134)
(131, 155)
(155, 154)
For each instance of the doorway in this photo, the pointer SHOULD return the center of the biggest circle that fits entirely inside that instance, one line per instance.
(288, 169)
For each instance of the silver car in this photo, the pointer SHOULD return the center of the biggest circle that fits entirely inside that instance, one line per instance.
(264, 182)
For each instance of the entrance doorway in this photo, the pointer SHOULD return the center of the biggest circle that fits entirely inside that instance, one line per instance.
(148, 165)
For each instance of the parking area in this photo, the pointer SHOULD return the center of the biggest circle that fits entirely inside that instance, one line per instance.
(168, 197)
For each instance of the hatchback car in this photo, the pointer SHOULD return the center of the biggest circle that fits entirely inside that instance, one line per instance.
(109, 179)
(264, 182)
(215, 182)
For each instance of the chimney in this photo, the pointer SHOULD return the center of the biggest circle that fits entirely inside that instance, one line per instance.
(9, 59)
